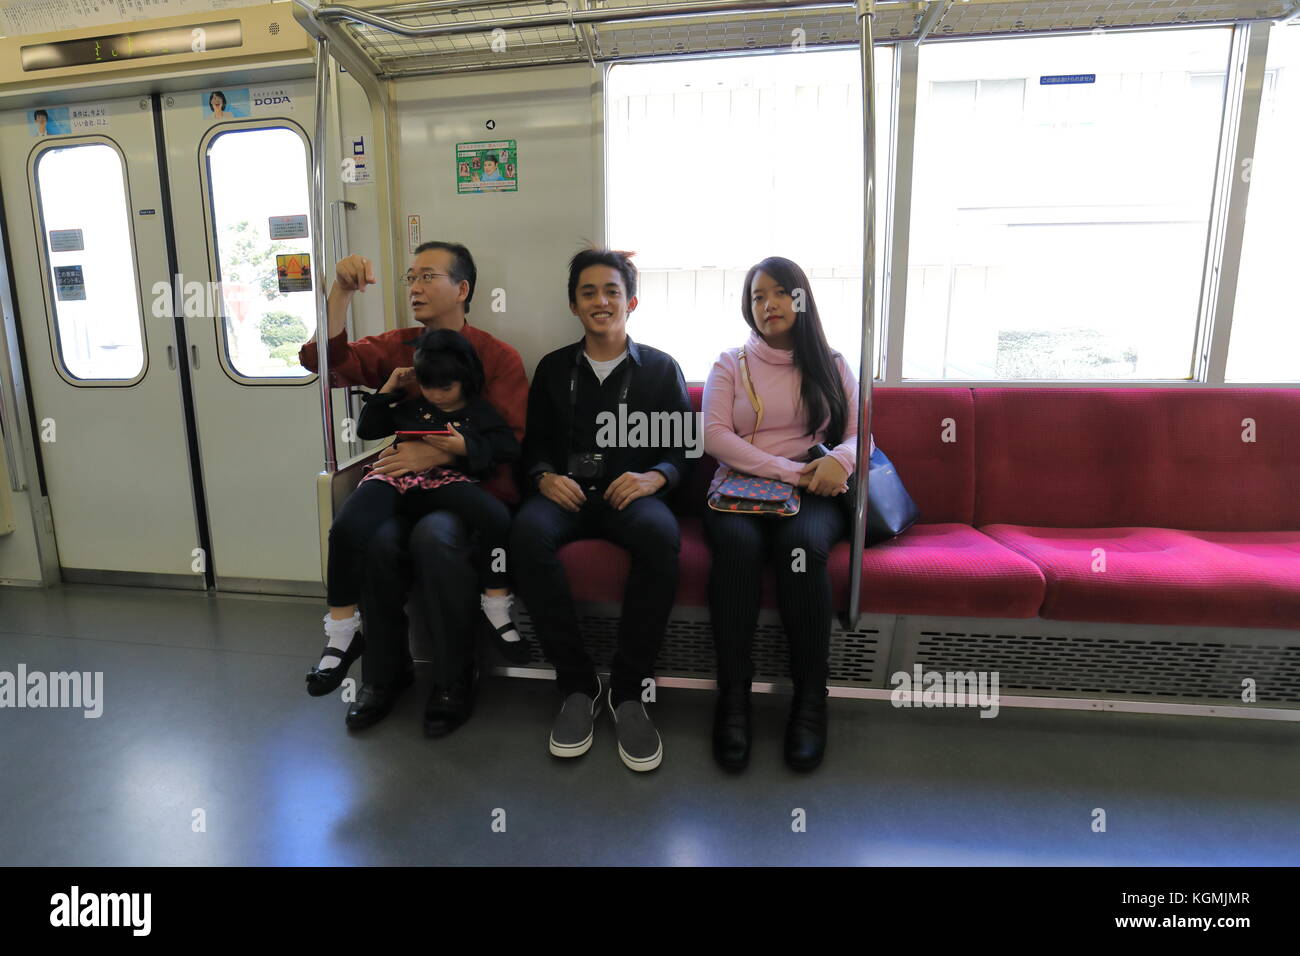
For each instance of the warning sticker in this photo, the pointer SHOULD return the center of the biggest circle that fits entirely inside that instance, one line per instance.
(69, 284)
(66, 240)
(294, 272)
(288, 227)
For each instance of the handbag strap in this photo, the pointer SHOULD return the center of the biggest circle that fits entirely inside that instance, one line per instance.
(754, 400)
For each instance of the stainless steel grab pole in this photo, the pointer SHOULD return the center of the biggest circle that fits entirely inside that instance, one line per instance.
(317, 212)
(866, 370)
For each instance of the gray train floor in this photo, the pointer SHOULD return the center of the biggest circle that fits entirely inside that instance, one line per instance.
(204, 710)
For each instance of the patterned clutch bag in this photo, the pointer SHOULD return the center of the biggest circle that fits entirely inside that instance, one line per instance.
(746, 494)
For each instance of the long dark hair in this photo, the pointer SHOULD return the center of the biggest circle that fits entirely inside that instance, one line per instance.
(821, 390)
(442, 357)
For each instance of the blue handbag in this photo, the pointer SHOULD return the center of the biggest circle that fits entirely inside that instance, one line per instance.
(890, 509)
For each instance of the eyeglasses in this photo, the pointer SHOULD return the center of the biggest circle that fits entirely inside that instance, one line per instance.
(425, 277)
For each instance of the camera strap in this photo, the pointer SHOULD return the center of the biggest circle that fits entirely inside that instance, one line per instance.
(573, 389)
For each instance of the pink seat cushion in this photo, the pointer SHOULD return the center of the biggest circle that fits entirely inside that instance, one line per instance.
(597, 569)
(1162, 576)
(945, 569)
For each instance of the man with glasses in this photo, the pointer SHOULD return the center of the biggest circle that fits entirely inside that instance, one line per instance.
(439, 287)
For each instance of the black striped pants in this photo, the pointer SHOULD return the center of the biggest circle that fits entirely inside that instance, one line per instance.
(797, 548)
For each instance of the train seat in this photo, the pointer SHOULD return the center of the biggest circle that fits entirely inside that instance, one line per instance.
(1148, 506)
(1144, 575)
(943, 569)
(940, 566)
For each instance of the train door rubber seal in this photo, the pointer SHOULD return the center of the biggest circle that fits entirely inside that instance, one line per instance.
(183, 350)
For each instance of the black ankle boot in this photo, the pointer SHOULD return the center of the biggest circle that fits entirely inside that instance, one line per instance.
(805, 734)
(731, 728)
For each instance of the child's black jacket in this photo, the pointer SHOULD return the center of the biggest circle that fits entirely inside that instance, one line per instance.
(488, 439)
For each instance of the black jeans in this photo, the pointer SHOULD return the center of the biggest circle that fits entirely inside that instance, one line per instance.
(436, 556)
(648, 530)
(374, 502)
(742, 545)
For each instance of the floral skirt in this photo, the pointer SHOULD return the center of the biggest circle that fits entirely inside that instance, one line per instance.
(434, 478)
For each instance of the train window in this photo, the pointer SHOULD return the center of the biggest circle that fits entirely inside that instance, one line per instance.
(1265, 333)
(1061, 200)
(81, 198)
(715, 164)
(255, 176)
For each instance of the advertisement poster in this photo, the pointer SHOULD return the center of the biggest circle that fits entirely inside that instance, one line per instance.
(69, 284)
(271, 99)
(90, 119)
(49, 121)
(487, 167)
(294, 272)
(225, 104)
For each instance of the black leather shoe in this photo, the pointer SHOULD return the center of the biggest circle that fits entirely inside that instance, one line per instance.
(449, 707)
(732, 733)
(374, 701)
(518, 652)
(805, 734)
(326, 680)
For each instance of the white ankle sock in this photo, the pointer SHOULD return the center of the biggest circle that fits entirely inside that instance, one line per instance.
(497, 610)
(340, 635)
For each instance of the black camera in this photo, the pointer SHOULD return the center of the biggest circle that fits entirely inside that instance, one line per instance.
(586, 466)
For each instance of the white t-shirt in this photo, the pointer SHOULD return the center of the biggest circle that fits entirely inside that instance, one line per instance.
(602, 369)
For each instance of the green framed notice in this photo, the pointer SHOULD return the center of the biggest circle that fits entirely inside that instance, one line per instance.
(487, 167)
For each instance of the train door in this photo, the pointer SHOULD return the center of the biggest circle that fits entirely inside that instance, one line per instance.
(239, 164)
(180, 437)
(88, 244)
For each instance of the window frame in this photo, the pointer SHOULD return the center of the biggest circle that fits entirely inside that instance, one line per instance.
(210, 238)
(1238, 124)
(47, 287)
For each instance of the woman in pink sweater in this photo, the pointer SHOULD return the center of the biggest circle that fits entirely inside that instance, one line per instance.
(809, 397)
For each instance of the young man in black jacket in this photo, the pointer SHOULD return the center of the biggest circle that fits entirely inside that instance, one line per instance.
(594, 477)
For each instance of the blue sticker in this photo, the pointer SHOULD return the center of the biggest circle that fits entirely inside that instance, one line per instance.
(1066, 78)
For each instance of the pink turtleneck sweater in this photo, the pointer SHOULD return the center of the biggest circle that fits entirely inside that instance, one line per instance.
(780, 449)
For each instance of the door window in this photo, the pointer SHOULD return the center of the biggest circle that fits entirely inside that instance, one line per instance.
(85, 222)
(258, 195)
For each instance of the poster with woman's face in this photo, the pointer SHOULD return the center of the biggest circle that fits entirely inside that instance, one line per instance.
(223, 104)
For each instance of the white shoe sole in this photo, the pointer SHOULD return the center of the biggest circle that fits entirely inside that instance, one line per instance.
(649, 763)
(572, 750)
(640, 764)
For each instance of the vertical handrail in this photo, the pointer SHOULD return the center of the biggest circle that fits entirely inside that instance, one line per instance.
(318, 251)
(866, 370)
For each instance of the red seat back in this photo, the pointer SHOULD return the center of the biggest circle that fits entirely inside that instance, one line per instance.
(1138, 457)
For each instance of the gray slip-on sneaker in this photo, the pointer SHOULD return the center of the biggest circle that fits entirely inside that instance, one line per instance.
(638, 741)
(575, 726)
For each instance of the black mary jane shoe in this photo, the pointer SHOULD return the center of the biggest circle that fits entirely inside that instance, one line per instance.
(449, 707)
(517, 652)
(374, 701)
(732, 731)
(326, 680)
(805, 733)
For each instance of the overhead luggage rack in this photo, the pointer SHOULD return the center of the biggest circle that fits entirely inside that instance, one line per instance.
(437, 36)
